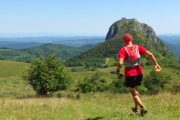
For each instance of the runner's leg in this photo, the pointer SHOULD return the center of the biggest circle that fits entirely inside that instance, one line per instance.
(136, 97)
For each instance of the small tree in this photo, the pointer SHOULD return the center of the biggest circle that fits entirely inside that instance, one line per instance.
(47, 75)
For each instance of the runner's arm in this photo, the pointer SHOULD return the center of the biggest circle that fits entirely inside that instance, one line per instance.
(120, 64)
(151, 55)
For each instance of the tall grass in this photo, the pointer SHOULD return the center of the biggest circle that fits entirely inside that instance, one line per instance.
(104, 106)
(15, 87)
(11, 68)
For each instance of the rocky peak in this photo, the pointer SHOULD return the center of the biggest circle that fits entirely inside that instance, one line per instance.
(124, 25)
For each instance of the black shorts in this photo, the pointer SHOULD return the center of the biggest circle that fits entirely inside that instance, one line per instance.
(133, 81)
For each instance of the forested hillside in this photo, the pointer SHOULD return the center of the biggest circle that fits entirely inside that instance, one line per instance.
(30, 54)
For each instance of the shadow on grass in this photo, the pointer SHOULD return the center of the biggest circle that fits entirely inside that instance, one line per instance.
(95, 118)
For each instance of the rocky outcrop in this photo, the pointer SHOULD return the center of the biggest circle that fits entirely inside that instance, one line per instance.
(130, 25)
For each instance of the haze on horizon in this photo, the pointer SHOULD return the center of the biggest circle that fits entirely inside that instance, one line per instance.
(84, 17)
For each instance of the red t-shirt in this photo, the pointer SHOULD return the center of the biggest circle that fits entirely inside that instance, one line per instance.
(136, 70)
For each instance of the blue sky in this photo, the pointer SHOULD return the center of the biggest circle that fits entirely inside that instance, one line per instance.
(85, 17)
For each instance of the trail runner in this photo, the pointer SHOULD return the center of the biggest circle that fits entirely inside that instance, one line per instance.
(130, 55)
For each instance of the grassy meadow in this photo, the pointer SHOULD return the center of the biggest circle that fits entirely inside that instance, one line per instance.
(90, 107)
(18, 101)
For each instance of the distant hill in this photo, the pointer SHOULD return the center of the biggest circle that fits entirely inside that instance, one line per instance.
(29, 54)
(28, 42)
(18, 45)
(173, 42)
(143, 35)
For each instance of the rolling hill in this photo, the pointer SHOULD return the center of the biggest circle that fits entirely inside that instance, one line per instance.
(29, 54)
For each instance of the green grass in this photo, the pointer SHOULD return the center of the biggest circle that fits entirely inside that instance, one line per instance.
(15, 87)
(18, 101)
(10, 68)
(12, 85)
(90, 107)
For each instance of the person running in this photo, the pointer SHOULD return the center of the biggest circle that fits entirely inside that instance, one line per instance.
(130, 55)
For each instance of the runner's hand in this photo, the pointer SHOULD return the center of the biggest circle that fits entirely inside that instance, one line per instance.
(157, 68)
(120, 76)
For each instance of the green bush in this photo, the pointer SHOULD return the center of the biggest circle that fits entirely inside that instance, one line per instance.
(156, 82)
(143, 89)
(47, 75)
(117, 86)
(93, 84)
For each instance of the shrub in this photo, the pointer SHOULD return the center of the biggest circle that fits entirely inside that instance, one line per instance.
(47, 75)
(156, 82)
(117, 86)
(93, 84)
(143, 89)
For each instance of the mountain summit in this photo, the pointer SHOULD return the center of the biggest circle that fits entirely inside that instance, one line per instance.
(142, 35)
(130, 25)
